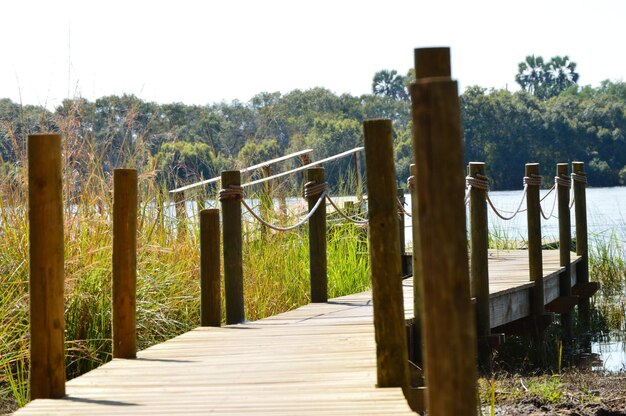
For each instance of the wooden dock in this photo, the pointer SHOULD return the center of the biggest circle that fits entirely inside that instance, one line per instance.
(318, 359)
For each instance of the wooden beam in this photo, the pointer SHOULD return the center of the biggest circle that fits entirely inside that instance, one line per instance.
(248, 169)
(45, 218)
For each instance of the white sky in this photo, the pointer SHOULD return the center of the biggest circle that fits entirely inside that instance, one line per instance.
(200, 52)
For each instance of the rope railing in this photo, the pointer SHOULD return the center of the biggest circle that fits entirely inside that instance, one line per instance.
(481, 182)
(311, 190)
(288, 228)
(344, 215)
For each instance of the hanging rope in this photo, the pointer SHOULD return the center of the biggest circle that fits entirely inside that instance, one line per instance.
(344, 215)
(481, 182)
(543, 214)
(402, 210)
(291, 227)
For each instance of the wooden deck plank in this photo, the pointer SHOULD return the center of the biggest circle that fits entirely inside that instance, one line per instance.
(318, 359)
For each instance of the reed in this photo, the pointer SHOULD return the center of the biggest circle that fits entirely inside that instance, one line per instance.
(168, 287)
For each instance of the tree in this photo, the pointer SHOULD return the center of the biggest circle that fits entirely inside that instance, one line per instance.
(531, 75)
(546, 79)
(389, 83)
(562, 74)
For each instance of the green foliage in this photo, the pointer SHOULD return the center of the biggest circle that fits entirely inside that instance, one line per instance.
(546, 79)
(507, 130)
(390, 84)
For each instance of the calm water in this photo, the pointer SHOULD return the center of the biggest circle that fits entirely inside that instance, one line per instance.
(606, 214)
(606, 217)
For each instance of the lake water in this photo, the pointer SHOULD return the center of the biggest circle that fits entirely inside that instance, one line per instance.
(606, 214)
(606, 218)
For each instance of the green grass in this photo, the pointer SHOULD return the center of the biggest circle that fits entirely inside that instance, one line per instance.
(276, 270)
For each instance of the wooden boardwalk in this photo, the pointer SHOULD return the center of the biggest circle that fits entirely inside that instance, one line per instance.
(318, 359)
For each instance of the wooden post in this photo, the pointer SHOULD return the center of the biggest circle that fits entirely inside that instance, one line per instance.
(418, 304)
(317, 240)
(479, 244)
(386, 272)
(565, 243)
(582, 249)
(45, 217)
(449, 330)
(210, 297)
(181, 214)
(357, 178)
(400, 200)
(124, 263)
(266, 205)
(233, 246)
(535, 257)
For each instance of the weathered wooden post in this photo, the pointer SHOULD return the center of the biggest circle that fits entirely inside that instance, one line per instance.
(181, 214)
(124, 263)
(565, 242)
(479, 244)
(582, 248)
(266, 203)
(210, 297)
(418, 312)
(386, 272)
(449, 328)
(314, 187)
(401, 226)
(45, 217)
(535, 257)
(230, 198)
(357, 179)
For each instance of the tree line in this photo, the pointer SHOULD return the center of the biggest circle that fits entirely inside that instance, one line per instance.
(550, 120)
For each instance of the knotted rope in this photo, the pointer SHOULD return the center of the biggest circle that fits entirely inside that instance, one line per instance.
(313, 189)
(563, 180)
(232, 192)
(580, 177)
(478, 182)
(534, 180)
(410, 183)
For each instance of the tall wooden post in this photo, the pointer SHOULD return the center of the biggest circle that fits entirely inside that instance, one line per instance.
(181, 214)
(210, 297)
(582, 245)
(479, 244)
(418, 304)
(391, 351)
(401, 226)
(232, 241)
(45, 217)
(449, 330)
(357, 178)
(124, 263)
(535, 257)
(317, 239)
(266, 204)
(565, 243)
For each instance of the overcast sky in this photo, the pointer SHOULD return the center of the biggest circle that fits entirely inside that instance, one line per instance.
(201, 52)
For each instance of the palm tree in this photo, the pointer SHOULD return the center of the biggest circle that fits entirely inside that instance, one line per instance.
(562, 73)
(531, 75)
(389, 83)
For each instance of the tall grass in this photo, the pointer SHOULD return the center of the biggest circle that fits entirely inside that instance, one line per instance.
(275, 266)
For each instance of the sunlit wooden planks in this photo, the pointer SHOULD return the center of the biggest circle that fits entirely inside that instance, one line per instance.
(318, 359)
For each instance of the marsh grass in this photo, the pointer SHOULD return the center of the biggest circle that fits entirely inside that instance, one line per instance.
(276, 265)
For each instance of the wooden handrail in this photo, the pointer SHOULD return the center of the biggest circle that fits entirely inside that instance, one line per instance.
(248, 169)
